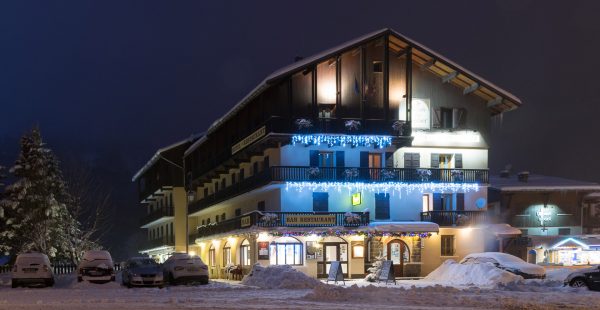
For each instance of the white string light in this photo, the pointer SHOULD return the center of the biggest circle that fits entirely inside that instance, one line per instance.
(343, 140)
(394, 187)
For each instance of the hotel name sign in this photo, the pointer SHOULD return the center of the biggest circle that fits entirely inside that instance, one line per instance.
(310, 220)
(248, 140)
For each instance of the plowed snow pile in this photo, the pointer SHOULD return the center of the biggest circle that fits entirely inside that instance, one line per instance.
(279, 277)
(452, 273)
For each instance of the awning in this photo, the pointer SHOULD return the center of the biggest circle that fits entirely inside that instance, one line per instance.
(503, 230)
(404, 227)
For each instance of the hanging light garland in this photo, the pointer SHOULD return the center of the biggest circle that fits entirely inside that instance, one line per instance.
(343, 140)
(387, 187)
(342, 233)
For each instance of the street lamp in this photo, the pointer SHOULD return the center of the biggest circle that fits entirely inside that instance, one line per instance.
(191, 195)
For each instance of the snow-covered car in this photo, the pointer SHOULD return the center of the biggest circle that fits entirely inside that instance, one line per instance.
(507, 262)
(32, 268)
(142, 271)
(587, 277)
(185, 268)
(96, 266)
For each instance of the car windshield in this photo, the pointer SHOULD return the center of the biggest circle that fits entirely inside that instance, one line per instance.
(143, 263)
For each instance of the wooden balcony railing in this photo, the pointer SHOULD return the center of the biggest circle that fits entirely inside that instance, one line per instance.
(455, 218)
(286, 219)
(156, 215)
(158, 242)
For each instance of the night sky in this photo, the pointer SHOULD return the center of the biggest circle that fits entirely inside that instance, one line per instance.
(109, 82)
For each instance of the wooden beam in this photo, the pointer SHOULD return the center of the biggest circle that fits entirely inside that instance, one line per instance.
(447, 78)
(494, 102)
(428, 64)
(473, 87)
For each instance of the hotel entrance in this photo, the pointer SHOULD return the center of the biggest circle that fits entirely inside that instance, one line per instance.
(398, 253)
(333, 251)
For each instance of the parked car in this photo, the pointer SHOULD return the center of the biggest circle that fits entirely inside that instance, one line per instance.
(185, 268)
(587, 277)
(507, 262)
(32, 268)
(96, 266)
(142, 271)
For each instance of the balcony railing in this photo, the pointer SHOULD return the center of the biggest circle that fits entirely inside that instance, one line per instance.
(373, 175)
(156, 215)
(286, 219)
(455, 218)
(159, 242)
(341, 174)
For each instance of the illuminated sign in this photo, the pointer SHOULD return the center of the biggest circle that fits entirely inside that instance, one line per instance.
(544, 215)
(356, 199)
(248, 140)
(310, 220)
(245, 221)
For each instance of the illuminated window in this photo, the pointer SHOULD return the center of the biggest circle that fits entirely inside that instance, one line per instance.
(212, 258)
(286, 251)
(426, 204)
(245, 253)
(226, 254)
(447, 244)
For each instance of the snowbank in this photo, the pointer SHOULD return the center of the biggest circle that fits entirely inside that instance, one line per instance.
(558, 274)
(283, 276)
(452, 273)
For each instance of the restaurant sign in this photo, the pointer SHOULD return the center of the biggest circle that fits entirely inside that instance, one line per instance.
(245, 221)
(248, 140)
(310, 220)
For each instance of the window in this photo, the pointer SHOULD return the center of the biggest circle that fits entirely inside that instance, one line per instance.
(216, 187)
(208, 221)
(266, 163)
(447, 245)
(286, 251)
(255, 168)
(203, 222)
(320, 202)
(233, 178)
(564, 231)
(223, 216)
(378, 66)
(412, 160)
(260, 206)
(226, 254)
(205, 192)
(446, 118)
(238, 212)
(223, 183)
(382, 206)
(212, 257)
(426, 204)
(245, 253)
(242, 174)
(216, 218)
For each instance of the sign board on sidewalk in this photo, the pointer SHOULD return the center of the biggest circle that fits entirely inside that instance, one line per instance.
(335, 272)
(387, 272)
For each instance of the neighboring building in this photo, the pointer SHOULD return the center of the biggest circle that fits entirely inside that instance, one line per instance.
(161, 193)
(377, 146)
(554, 214)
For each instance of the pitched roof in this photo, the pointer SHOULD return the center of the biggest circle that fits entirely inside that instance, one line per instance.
(158, 154)
(499, 100)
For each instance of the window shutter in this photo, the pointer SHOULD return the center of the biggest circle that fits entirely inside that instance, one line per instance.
(459, 118)
(460, 201)
(437, 202)
(436, 121)
(435, 160)
(382, 206)
(407, 160)
(458, 161)
(364, 159)
(340, 159)
(389, 159)
(314, 158)
(320, 202)
(416, 160)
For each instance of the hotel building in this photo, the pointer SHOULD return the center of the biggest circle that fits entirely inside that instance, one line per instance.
(377, 147)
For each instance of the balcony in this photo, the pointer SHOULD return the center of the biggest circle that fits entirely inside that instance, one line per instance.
(375, 175)
(341, 174)
(159, 242)
(285, 219)
(455, 218)
(156, 215)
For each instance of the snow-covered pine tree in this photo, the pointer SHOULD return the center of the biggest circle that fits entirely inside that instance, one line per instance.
(36, 213)
(375, 270)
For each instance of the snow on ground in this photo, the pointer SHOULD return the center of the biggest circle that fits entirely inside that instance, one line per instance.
(282, 276)
(482, 275)
(356, 294)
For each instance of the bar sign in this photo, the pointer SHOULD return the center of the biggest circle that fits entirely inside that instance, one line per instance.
(245, 221)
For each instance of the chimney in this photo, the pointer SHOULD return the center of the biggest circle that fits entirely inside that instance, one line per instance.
(523, 176)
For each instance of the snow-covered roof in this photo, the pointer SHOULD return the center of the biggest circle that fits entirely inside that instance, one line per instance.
(308, 61)
(404, 226)
(159, 152)
(536, 182)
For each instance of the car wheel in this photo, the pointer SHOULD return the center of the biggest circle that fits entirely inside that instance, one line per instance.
(50, 282)
(172, 280)
(578, 282)
(113, 279)
(14, 283)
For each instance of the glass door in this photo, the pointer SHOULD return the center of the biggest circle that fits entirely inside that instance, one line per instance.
(333, 251)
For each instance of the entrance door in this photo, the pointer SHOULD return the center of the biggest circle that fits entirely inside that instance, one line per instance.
(397, 252)
(333, 252)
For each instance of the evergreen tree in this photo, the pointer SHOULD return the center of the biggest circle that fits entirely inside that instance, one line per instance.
(36, 206)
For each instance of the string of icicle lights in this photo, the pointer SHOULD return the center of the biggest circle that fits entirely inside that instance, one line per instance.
(389, 187)
(343, 140)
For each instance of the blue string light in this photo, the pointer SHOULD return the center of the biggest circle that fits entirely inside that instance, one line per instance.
(343, 140)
